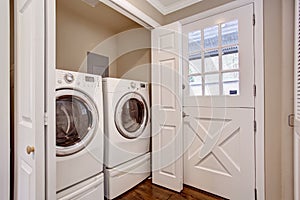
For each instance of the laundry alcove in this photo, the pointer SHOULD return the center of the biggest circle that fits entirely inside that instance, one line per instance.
(81, 28)
(74, 29)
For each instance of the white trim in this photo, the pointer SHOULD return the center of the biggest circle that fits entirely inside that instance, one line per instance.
(133, 13)
(259, 102)
(259, 81)
(217, 10)
(4, 100)
(177, 5)
(50, 51)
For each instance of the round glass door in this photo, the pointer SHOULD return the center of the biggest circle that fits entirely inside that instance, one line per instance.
(76, 121)
(131, 115)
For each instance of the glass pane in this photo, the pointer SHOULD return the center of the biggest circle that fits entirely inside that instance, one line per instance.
(211, 61)
(211, 37)
(212, 85)
(195, 85)
(230, 33)
(194, 42)
(230, 58)
(231, 83)
(195, 66)
(73, 120)
(133, 113)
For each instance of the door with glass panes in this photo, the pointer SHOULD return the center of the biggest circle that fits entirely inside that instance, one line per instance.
(219, 139)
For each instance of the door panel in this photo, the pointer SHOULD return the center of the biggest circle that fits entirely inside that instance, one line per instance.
(219, 151)
(30, 99)
(167, 107)
(219, 104)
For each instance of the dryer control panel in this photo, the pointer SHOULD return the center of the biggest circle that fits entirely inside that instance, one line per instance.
(137, 86)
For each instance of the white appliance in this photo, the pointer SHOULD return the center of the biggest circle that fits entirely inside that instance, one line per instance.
(79, 128)
(91, 189)
(127, 134)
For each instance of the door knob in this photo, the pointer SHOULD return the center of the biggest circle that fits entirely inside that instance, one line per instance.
(29, 150)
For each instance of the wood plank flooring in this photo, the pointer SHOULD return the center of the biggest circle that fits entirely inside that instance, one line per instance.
(147, 191)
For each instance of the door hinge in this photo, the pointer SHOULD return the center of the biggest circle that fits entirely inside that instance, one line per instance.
(254, 20)
(46, 119)
(255, 126)
(255, 194)
(254, 90)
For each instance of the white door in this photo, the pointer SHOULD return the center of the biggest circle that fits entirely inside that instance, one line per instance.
(219, 104)
(29, 119)
(167, 166)
(297, 104)
(4, 100)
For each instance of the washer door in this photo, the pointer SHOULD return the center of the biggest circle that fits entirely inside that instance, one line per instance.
(76, 121)
(131, 115)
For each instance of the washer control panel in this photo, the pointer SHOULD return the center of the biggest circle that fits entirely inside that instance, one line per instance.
(71, 79)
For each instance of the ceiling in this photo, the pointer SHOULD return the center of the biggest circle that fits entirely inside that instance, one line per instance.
(168, 6)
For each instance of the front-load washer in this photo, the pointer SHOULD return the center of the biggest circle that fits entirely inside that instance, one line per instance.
(127, 128)
(79, 128)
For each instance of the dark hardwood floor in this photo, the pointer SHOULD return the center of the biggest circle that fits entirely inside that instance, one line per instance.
(146, 191)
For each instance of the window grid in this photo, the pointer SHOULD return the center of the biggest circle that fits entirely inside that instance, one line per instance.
(221, 71)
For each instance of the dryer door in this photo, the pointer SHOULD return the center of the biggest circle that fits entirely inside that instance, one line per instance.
(76, 121)
(131, 115)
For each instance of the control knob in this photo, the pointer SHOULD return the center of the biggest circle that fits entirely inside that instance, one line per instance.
(69, 78)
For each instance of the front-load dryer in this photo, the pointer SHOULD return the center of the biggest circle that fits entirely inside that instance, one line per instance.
(79, 128)
(127, 128)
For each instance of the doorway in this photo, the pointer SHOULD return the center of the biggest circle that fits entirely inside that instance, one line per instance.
(218, 104)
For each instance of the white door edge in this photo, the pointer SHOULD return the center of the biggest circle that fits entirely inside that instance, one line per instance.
(50, 74)
(5, 100)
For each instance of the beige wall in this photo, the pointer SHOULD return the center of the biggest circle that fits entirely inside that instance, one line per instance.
(278, 22)
(287, 73)
(273, 81)
(135, 65)
(81, 28)
(134, 55)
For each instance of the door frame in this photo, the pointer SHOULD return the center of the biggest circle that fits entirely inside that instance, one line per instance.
(259, 72)
(5, 101)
